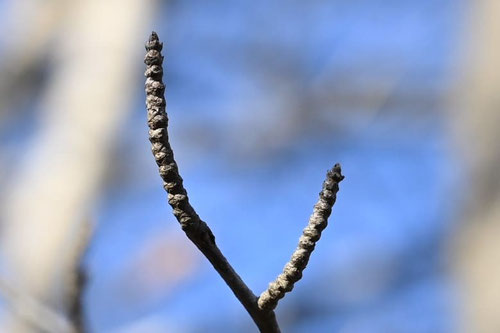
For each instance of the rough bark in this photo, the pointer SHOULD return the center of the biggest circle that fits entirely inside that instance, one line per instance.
(317, 223)
(196, 229)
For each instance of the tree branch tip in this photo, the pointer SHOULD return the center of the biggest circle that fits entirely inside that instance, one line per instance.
(335, 173)
(153, 42)
(153, 36)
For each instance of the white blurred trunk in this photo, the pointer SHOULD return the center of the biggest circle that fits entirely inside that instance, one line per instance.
(478, 134)
(28, 27)
(96, 51)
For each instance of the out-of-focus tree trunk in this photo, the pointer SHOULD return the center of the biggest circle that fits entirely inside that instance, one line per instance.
(96, 51)
(478, 135)
(28, 28)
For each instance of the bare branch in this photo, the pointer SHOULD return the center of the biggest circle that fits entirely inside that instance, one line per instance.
(318, 221)
(196, 229)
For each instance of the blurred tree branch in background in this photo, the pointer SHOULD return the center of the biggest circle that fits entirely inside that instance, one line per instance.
(82, 107)
(31, 27)
(478, 137)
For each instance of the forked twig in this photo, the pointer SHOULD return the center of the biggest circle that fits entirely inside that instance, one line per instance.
(261, 310)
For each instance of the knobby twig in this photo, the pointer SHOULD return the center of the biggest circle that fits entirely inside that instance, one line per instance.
(311, 234)
(261, 310)
(196, 229)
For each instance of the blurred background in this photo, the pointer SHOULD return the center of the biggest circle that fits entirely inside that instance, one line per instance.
(263, 97)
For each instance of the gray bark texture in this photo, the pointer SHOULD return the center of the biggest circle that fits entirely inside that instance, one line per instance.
(260, 309)
(318, 221)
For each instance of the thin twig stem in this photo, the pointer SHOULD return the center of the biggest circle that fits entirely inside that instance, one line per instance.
(318, 221)
(196, 229)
